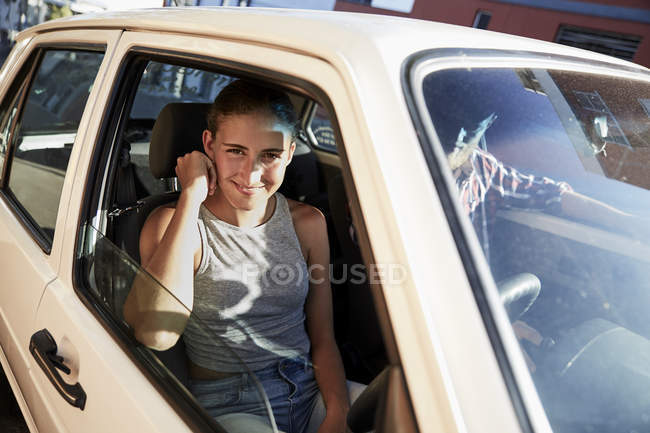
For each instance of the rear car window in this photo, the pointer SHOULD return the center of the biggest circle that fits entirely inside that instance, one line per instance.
(46, 131)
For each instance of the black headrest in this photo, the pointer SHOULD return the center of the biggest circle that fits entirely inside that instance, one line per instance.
(177, 131)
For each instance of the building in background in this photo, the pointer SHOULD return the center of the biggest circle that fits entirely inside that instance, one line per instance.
(619, 28)
(17, 15)
(292, 4)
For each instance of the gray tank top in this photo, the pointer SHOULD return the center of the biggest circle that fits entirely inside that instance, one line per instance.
(249, 293)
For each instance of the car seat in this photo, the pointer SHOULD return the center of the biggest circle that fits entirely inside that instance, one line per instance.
(177, 131)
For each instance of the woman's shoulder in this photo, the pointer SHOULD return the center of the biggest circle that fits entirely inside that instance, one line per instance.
(304, 215)
(158, 220)
(161, 216)
(311, 229)
(155, 227)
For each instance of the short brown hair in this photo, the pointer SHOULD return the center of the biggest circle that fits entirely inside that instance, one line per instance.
(244, 97)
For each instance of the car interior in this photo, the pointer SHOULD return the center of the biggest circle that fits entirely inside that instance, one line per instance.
(166, 122)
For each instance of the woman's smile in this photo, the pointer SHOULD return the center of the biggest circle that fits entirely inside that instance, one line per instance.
(248, 190)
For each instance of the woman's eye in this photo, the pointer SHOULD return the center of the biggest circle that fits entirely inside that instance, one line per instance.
(271, 155)
(235, 151)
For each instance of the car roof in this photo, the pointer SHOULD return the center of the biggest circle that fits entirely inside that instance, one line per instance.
(327, 34)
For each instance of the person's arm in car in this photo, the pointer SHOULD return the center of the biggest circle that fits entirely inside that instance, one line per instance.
(328, 367)
(170, 250)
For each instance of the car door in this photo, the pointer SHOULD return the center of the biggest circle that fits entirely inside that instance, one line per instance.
(43, 127)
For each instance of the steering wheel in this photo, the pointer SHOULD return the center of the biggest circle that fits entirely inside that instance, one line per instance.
(518, 293)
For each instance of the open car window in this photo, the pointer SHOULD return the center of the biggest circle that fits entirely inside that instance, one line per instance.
(165, 104)
(111, 275)
(549, 168)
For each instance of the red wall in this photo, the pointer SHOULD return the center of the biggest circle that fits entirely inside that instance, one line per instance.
(522, 20)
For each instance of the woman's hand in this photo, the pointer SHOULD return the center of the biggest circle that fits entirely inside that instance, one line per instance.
(197, 175)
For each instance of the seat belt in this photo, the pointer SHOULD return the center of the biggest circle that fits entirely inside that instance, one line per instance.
(126, 197)
(126, 200)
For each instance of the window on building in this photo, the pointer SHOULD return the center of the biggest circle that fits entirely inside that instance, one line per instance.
(482, 20)
(613, 44)
(394, 5)
(405, 6)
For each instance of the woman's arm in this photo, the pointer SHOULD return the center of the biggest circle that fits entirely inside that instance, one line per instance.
(328, 367)
(580, 206)
(170, 250)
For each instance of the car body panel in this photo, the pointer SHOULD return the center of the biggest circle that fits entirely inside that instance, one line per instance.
(349, 100)
(88, 348)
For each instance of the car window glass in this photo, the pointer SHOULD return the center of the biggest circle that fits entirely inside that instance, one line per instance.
(321, 130)
(551, 170)
(46, 132)
(111, 274)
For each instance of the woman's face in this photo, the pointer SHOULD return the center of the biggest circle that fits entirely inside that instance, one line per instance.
(251, 153)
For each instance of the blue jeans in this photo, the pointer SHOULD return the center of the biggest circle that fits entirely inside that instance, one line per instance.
(289, 385)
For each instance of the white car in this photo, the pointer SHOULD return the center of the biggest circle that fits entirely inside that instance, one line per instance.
(487, 199)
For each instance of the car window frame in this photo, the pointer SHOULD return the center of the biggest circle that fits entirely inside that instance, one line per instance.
(22, 82)
(523, 393)
(104, 157)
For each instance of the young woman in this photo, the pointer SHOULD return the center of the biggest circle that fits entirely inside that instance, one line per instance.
(250, 264)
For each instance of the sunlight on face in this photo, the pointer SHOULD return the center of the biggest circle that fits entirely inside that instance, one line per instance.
(251, 152)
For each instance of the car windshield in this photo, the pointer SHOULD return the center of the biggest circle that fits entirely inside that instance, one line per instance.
(552, 170)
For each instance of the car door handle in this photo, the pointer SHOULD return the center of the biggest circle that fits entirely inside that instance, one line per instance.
(43, 349)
